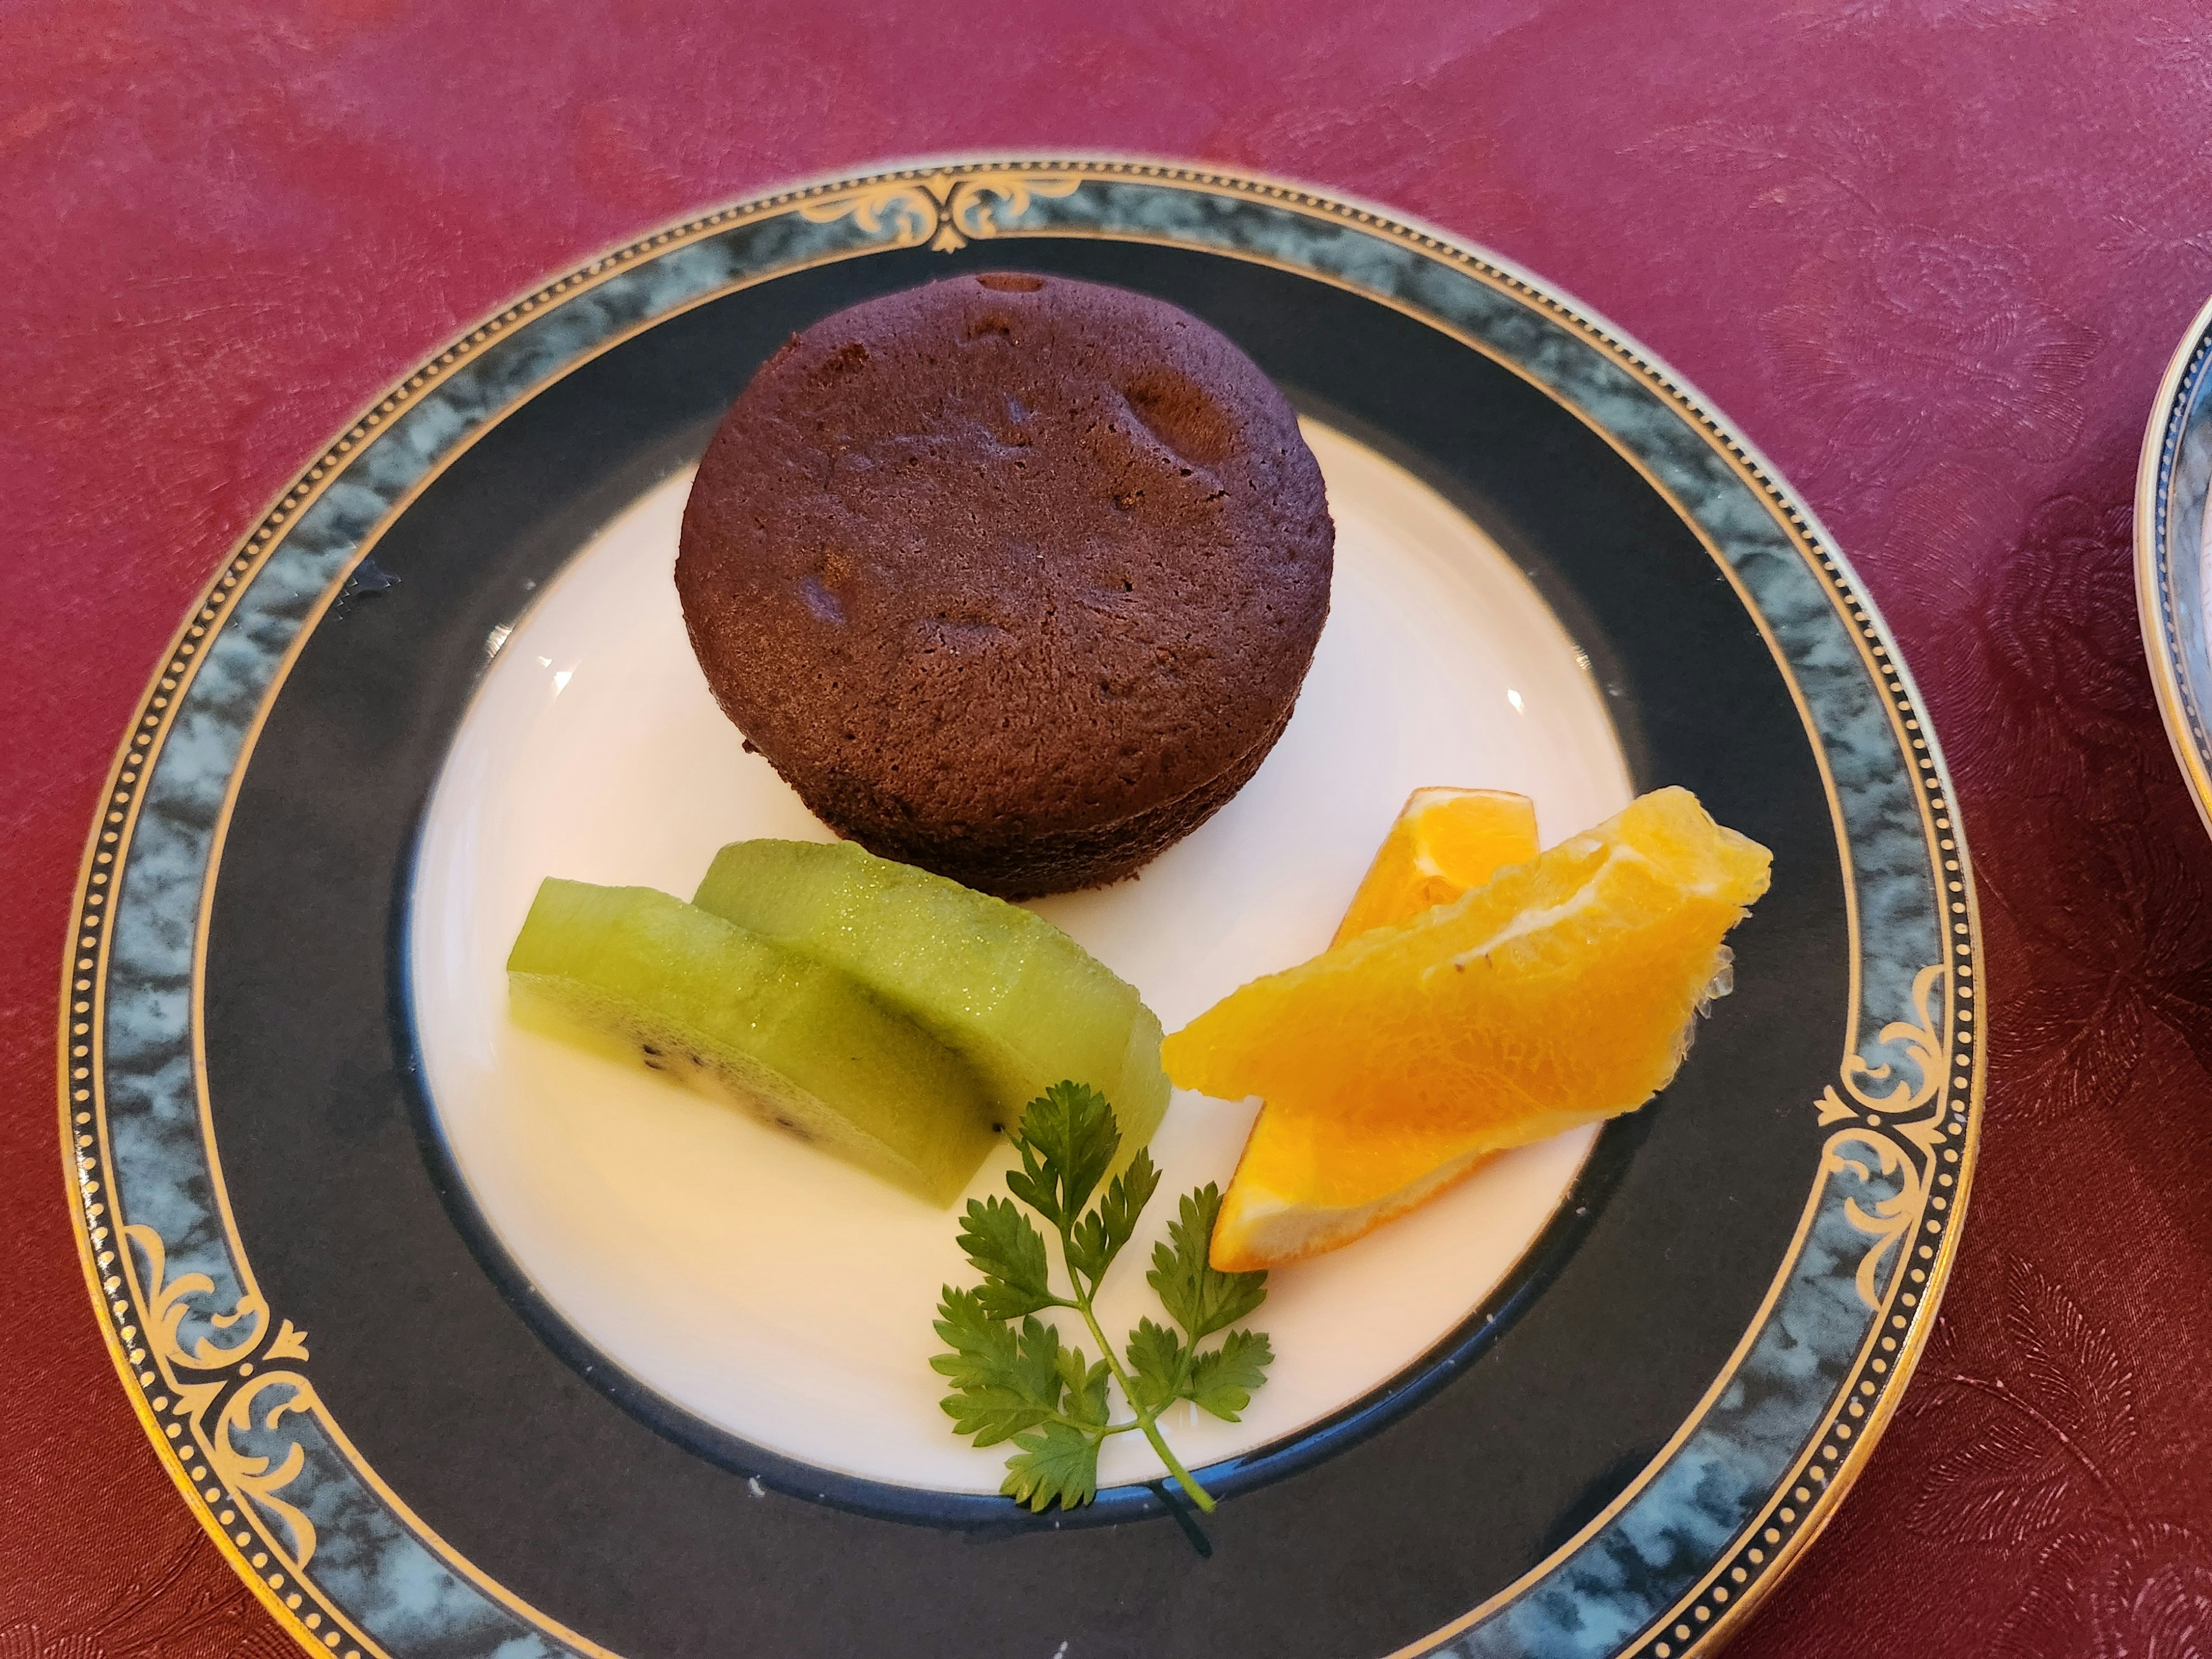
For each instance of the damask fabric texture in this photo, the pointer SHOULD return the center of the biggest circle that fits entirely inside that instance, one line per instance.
(1929, 254)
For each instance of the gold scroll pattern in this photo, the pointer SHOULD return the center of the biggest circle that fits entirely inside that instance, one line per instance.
(1869, 1148)
(225, 1391)
(946, 210)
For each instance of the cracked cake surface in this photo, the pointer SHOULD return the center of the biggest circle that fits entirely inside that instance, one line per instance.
(1012, 577)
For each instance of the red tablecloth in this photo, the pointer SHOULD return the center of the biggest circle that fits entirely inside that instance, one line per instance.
(1931, 254)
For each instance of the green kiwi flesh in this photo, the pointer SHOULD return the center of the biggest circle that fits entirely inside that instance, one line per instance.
(637, 974)
(1024, 1004)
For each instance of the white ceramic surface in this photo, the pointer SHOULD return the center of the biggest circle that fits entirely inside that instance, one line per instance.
(787, 1298)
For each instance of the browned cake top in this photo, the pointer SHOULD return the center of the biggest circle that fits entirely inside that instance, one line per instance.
(1007, 554)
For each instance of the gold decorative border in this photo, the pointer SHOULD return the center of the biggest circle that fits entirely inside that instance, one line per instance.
(218, 1388)
(946, 210)
(1891, 1219)
(944, 205)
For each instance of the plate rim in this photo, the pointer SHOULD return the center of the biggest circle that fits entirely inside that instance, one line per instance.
(2155, 611)
(931, 190)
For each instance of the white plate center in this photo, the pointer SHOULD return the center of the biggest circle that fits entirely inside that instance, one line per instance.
(786, 1298)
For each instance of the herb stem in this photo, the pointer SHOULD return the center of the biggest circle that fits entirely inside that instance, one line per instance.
(1145, 1420)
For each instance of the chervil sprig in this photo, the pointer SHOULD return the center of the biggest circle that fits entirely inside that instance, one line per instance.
(1018, 1382)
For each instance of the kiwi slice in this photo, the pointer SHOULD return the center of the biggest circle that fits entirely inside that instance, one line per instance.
(1023, 1003)
(634, 973)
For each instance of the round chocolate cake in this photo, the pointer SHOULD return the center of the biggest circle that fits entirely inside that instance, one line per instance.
(1011, 577)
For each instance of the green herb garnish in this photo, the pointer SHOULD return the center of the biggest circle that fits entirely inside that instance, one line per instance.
(1018, 1382)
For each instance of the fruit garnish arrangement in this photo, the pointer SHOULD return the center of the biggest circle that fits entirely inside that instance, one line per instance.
(1555, 990)
(1015, 580)
(891, 1017)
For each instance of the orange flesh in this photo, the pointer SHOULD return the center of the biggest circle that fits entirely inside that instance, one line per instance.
(1560, 992)
(1445, 841)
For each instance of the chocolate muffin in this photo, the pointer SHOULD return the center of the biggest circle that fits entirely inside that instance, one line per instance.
(1011, 577)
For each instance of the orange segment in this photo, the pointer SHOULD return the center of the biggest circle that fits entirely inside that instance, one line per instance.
(1445, 841)
(1559, 993)
(1304, 1187)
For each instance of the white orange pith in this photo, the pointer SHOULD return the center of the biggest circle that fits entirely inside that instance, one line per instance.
(1557, 993)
